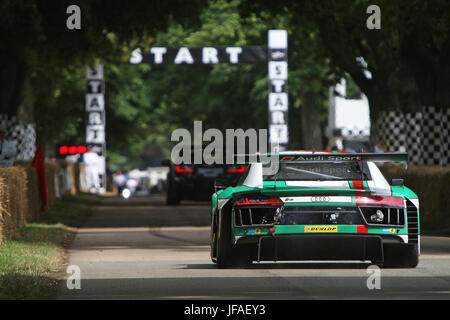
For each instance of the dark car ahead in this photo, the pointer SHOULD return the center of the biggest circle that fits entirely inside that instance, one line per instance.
(196, 181)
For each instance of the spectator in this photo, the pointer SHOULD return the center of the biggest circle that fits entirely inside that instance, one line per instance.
(120, 181)
(378, 148)
(8, 150)
(346, 147)
(92, 163)
(132, 184)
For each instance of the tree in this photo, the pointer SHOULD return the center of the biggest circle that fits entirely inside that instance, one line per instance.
(407, 57)
(222, 96)
(236, 96)
(310, 77)
(35, 34)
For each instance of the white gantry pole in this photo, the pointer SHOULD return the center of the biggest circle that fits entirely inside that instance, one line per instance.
(278, 96)
(95, 159)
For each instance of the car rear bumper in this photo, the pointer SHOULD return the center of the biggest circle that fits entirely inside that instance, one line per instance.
(193, 189)
(317, 247)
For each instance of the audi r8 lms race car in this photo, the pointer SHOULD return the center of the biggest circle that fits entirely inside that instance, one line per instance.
(318, 206)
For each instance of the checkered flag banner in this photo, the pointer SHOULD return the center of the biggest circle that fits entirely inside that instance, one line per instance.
(24, 136)
(424, 135)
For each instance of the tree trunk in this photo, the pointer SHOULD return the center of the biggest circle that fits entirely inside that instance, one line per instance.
(295, 128)
(310, 125)
(13, 74)
(24, 112)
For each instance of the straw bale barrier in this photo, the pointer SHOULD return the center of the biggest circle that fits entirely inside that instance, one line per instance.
(432, 185)
(20, 198)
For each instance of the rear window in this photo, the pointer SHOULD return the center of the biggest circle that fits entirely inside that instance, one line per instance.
(321, 171)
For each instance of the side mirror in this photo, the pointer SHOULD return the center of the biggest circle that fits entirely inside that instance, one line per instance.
(397, 182)
(220, 184)
(165, 163)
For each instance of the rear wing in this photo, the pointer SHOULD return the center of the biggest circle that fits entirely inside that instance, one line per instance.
(258, 169)
(345, 157)
(322, 157)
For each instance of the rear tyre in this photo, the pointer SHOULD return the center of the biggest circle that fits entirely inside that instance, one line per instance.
(172, 198)
(213, 244)
(227, 255)
(400, 255)
(242, 257)
(223, 240)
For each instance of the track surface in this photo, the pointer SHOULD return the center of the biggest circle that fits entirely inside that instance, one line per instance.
(141, 249)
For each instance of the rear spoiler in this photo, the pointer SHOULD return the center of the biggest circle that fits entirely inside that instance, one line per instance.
(345, 157)
(323, 157)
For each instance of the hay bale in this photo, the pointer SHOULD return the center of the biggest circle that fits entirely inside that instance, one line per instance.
(51, 169)
(74, 172)
(33, 195)
(20, 198)
(13, 210)
(432, 185)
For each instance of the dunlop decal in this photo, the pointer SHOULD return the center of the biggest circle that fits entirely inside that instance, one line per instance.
(321, 229)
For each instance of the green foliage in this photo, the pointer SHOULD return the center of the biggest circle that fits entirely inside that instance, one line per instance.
(226, 96)
(352, 89)
(144, 104)
(408, 60)
(39, 49)
(148, 102)
(407, 57)
(59, 104)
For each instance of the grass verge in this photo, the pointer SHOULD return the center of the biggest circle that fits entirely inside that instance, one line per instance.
(31, 262)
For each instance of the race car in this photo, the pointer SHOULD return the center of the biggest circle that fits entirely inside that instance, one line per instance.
(326, 205)
(196, 181)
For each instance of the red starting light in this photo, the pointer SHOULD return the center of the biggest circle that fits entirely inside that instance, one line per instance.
(63, 150)
(71, 150)
(81, 149)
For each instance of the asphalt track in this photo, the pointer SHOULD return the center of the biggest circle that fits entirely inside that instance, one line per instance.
(142, 249)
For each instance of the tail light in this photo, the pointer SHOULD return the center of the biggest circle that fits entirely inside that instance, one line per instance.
(258, 201)
(260, 211)
(378, 200)
(236, 169)
(383, 216)
(183, 169)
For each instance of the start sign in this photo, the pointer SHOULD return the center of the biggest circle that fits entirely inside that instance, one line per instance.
(275, 55)
(95, 148)
(197, 55)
